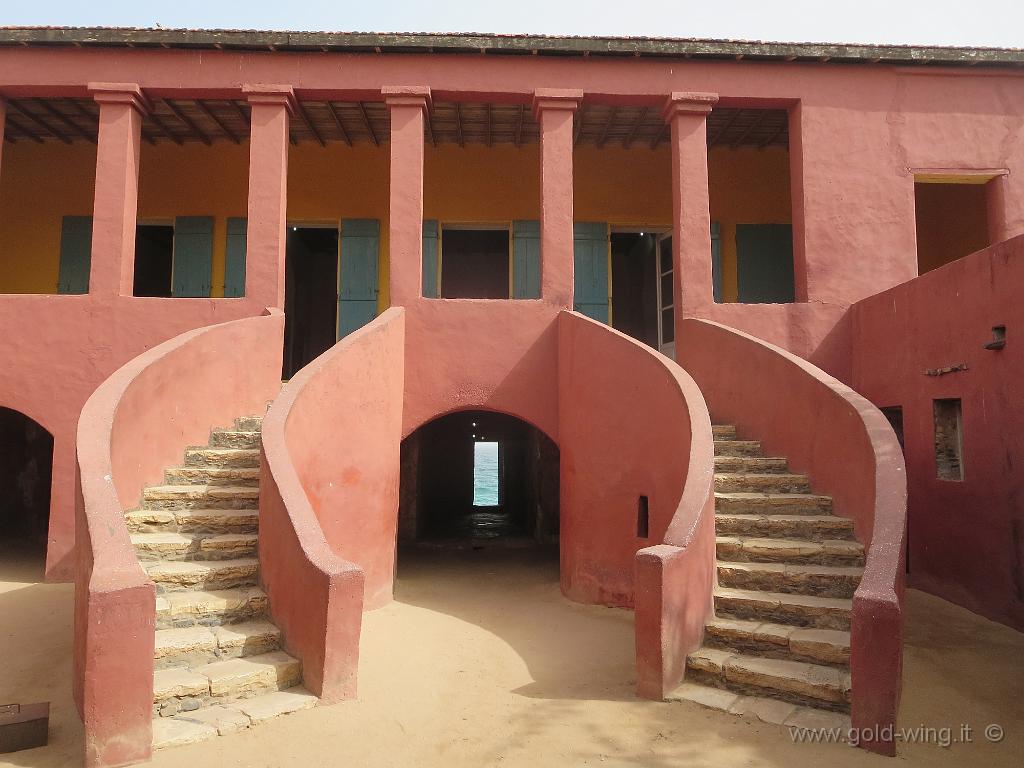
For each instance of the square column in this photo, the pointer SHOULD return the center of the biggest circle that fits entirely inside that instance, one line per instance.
(554, 109)
(115, 205)
(692, 290)
(407, 107)
(271, 108)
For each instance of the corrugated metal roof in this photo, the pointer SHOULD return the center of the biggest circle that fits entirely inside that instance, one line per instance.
(495, 44)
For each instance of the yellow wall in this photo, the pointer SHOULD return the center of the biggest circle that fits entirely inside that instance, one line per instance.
(42, 183)
(746, 186)
(39, 185)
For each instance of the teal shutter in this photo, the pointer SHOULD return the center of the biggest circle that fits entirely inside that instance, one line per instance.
(75, 254)
(764, 263)
(526, 260)
(234, 259)
(590, 270)
(357, 290)
(716, 260)
(430, 258)
(193, 256)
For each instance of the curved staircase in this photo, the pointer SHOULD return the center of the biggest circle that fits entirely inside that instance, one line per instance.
(778, 647)
(218, 661)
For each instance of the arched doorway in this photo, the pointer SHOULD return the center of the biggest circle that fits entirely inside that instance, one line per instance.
(479, 478)
(26, 466)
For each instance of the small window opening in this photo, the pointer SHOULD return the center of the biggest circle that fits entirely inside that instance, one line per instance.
(951, 221)
(474, 263)
(154, 260)
(948, 439)
(642, 518)
(485, 473)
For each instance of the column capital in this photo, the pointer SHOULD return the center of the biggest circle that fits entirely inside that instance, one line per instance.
(688, 103)
(120, 93)
(556, 98)
(269, 93)
(407, 96)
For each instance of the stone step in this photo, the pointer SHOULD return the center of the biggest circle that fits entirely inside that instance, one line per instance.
(810, 527)
(779, 641)
(736, 503)
(761, 708)
(820, 580)
(784, 608)
(194, 546)
(767, 482)
(210, 608)
(201, 645)
(237, 476)
(249, 423)
(221, 719)
(222, 457)
(192, 520)
(723, 431)
(752, 464)
(738, 448)
(797, 682)
(171, 497)
(237, 678)
(745, 549)
(174, 576)
(224, 680)
(229, 438)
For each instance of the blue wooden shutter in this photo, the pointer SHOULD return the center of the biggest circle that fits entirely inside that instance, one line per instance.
(75, 254)
(764, 263)
(526, 260)
(234, 259)
(716, 260)
(193, 256)
(357, 290)
(590, 270)
(430, 259)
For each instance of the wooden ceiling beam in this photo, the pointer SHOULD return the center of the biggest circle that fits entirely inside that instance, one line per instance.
(774, 136)
(368, 124)
(724, 127)
(207, 110)
(753, 124)
(338, 124)
(577, 129)
(188, 121)
(458, 125)
(518, 138)
(159, 123)
(36, 120)
(66, 120)
(659, 136)
(636, 127)
(304, 116)
(607, 127)
(488, 108)
(22, 129)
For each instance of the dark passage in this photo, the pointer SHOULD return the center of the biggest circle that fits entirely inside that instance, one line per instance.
(443, 498)
(474, 264)
(26, 463)
(311, 296)
(154, 260)
(634, 286)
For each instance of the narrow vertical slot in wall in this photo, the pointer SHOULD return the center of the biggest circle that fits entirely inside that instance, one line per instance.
(643, 518)
(948, 439)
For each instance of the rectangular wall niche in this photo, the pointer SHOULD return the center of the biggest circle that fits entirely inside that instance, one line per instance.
(948, 442)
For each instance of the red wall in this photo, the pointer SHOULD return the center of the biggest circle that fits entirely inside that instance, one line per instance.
(965, 539)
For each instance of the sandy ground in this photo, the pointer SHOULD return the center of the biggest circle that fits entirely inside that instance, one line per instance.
(481, 662)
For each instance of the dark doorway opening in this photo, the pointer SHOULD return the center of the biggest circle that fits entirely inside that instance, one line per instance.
(311, 295)
(26, 466)
(478, 476)
(635, 286)
(474, 263)
(154, 260)
(952, 222)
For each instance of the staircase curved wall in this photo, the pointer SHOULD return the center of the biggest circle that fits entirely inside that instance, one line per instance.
(632, 424)
(135, 424)
(847, 446)
(329, 499)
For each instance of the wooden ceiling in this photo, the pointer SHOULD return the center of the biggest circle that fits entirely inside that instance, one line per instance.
(206, 121)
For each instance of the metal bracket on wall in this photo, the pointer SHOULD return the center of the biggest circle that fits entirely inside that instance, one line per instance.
(944, 371)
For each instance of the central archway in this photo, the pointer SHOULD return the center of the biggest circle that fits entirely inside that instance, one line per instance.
(478, 477)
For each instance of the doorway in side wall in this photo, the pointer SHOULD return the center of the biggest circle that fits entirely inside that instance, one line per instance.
(641, 285)
(311, 294)
(26, 466)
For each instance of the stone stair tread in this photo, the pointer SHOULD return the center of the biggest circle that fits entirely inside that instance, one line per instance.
(244, 475)
(752, 476)
(178, 681)
(761, 708)
(199, 491)
(177, 732)
(206, 456)
(222, 719)
(172, 642)
(795, 678)
(742, 465)
(269, 705)
(175, 539)
(209, 602)
(781, 548)
(826, 645)
(809, 569)
(781, 497)
(239, 635)
(195, 572)
(794, 527)
(836, 603)
(244, 675)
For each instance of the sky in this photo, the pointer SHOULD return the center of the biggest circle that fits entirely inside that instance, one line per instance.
(924, 22)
